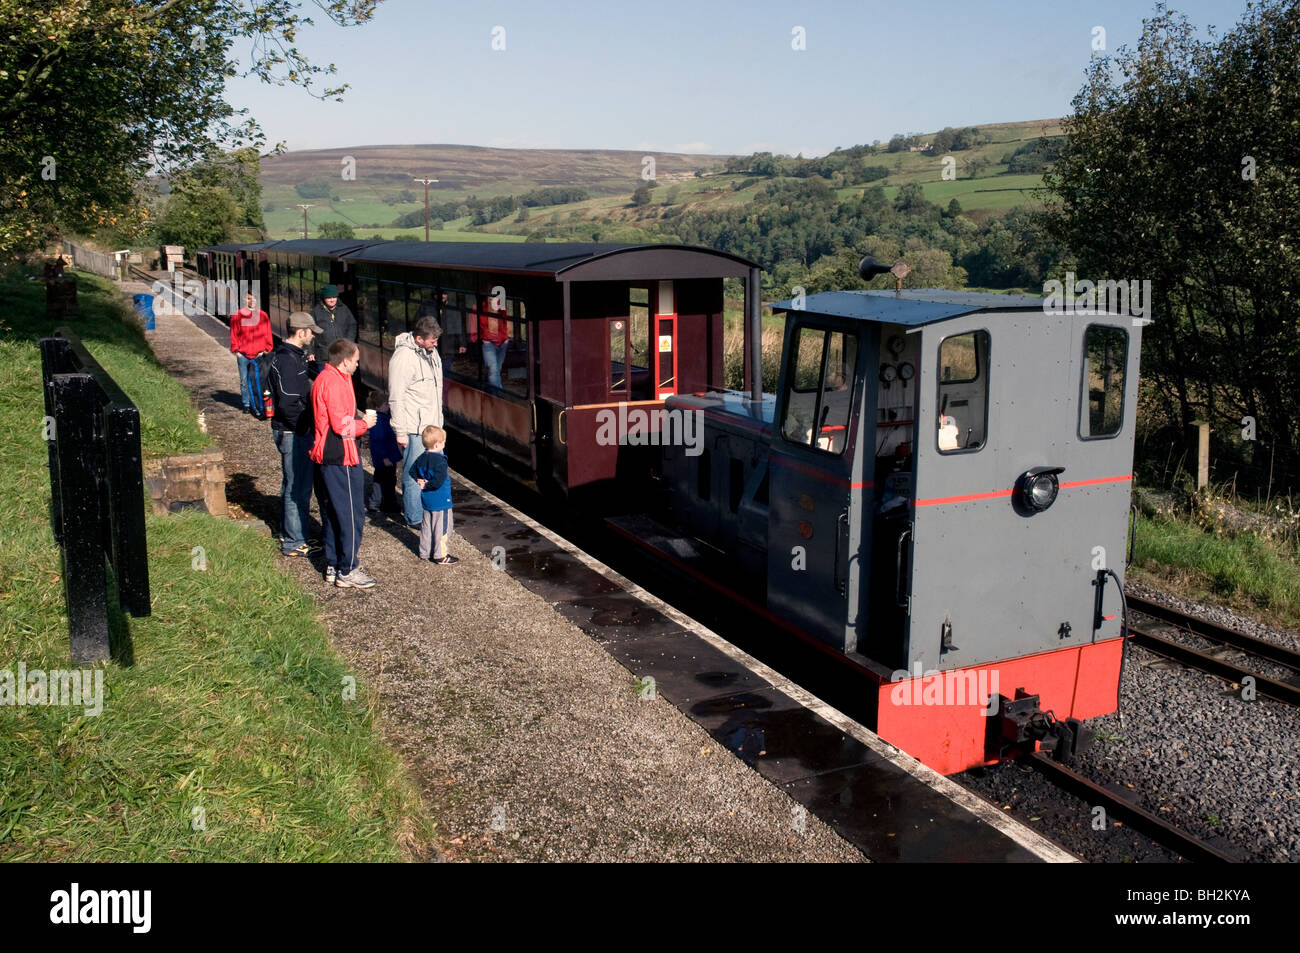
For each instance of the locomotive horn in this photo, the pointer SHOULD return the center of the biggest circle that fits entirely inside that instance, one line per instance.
(868, 268)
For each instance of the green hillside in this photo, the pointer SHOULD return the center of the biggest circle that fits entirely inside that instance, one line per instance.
(383, 189)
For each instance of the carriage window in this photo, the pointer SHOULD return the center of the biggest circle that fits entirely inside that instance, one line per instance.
(618, 355)
(818, 400)
(638, 320)
(368, 311)
(963, 392)
(392, 311)
(1105, 357)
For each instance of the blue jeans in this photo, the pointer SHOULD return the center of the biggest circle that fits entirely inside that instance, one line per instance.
(295, 487)
(412, 509)
(346, 515)
(494, 355)
(243, 380)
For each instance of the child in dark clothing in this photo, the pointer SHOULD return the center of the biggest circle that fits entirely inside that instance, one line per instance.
(430, 473)
(384, 455)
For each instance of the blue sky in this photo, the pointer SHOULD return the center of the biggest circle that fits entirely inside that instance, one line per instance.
(696, 76)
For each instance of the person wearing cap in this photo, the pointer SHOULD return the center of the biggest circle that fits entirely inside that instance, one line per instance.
(292, 429)
(335, 320)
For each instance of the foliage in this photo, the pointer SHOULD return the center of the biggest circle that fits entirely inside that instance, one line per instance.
(315, 189)
(641, 195)
(93, 94)
(334, 230)
(212, 199)
(1183, 167)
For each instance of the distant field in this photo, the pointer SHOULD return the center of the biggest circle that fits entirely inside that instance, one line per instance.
(609, 176)
(996, 191)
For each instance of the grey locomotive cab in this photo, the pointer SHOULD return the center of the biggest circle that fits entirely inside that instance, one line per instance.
(940, 483)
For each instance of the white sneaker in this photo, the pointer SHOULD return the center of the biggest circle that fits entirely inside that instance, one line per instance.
(331, 574)
(356, 579)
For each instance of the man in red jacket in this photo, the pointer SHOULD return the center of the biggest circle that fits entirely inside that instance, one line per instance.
(334, 410)
(250, 338)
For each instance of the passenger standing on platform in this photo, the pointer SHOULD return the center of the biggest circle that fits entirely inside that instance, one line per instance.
(430, 473)
(336, 321)
(291, 427)
(250, 338)
(337, 426)
(385, 454)
(415, 398)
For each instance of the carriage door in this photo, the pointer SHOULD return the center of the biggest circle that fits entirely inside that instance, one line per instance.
(665, 336)
(815, 565)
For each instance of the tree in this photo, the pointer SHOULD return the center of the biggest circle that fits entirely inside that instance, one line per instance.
(334, 230)
(93, 94)
(198, 215)
(1182, 167)
(641, 196)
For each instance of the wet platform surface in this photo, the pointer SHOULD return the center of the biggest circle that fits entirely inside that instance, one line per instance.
(875, 804)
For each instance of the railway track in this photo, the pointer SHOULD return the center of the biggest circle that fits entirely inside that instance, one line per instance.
(1134, 815)
(1215, 662)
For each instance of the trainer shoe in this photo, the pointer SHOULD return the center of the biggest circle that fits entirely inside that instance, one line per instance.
(448, 560)
(356, 579)
(331, 574)
(315, 546)
(302, 550)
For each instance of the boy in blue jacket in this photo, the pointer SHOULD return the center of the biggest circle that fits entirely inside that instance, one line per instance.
(385, 454)
(430, 473)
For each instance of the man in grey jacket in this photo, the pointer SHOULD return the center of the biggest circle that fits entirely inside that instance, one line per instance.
(415, 399)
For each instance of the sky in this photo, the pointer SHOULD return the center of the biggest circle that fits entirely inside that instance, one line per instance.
(702, 77)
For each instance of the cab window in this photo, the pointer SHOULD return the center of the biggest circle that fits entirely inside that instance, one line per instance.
(819, 389)
(1105, 357)
(963, 398)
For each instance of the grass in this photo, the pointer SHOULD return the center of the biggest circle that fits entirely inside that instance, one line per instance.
(1246, 571)
(233, 713)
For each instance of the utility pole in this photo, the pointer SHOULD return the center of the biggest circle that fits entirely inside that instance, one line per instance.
(426, 203)
(304, 218)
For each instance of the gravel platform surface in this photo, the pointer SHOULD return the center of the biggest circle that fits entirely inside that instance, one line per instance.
(527, 740)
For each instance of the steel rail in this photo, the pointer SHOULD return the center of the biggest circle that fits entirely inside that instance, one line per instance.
(1264, 685)
(1217, 633)
(1132, 814)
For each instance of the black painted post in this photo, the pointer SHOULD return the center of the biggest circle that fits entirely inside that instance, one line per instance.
(76, 414)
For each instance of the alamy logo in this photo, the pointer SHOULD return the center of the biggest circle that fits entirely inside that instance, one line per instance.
(82, 688)
(968, 687)
(103, 906)
(209, 296)
(639, 427)
(1098, 297)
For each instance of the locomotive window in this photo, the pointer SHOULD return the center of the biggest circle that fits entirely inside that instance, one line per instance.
(1105, 357)
(962, 424)
(818, 400)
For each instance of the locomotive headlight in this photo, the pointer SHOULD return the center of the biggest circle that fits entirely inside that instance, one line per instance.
(1036, 489)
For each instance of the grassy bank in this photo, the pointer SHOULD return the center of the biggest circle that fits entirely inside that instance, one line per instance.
(230, 738)
(1253, 572)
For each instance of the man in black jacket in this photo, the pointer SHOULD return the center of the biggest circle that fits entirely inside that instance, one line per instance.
(292, 371)
(335, 320)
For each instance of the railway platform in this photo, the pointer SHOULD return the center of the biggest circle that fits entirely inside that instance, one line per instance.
(517, 686)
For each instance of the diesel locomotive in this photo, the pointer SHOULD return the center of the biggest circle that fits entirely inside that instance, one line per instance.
(937, 494)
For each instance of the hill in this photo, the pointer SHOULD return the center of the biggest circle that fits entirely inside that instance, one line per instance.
(383, 188)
